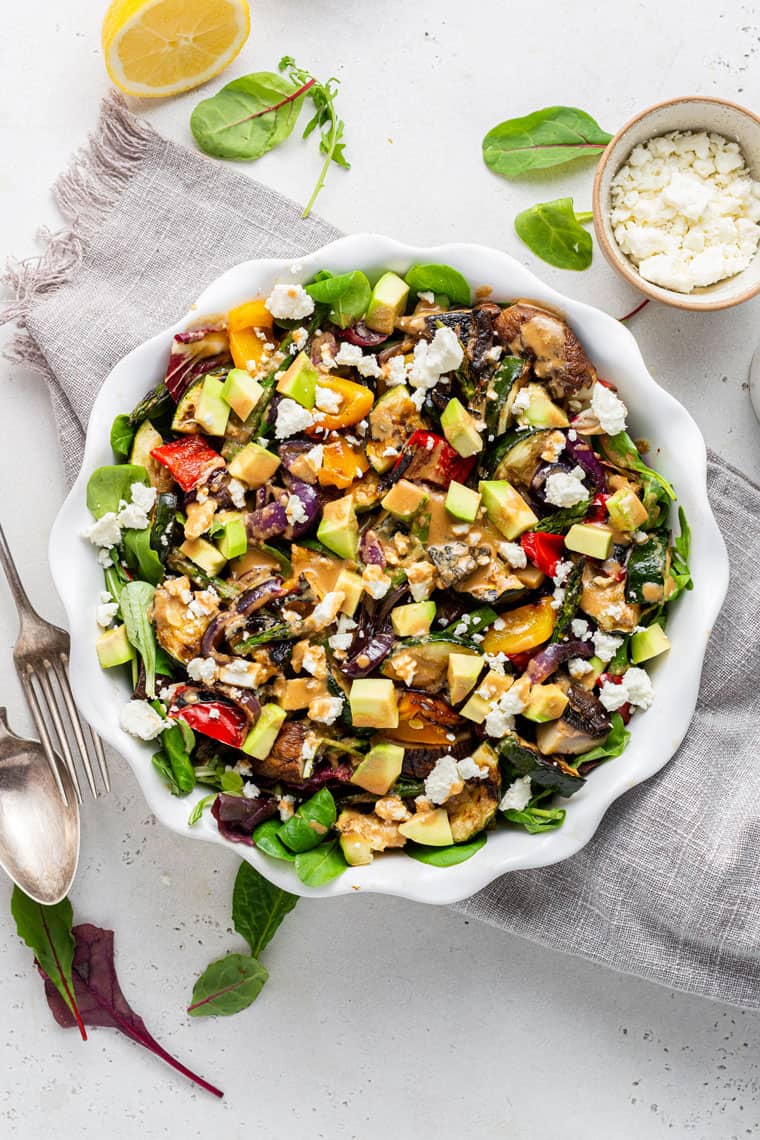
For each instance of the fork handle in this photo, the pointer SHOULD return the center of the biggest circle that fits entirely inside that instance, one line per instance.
(20, 597)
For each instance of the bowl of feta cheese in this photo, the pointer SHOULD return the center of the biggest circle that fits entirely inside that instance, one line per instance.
(677, 203)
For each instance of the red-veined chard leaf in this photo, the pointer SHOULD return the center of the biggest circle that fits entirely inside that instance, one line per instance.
(545, 138)
(555, 233)
(248, 116)
(47, 931)
(258, 907)
(227, 986)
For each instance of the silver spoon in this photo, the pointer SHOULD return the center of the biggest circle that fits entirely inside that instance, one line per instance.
(754, 382)
(39, 833)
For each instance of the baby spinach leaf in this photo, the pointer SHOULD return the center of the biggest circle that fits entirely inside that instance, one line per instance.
(310, 824)
(679, 569)
(555, 233)
(135, 601)
(109, 486)
(46, 930)
(122, 434)
(439, 279)
(447, 856)
(321, 865)
(258, 907)
(536, 820)
(248, 116)
(227, 986)
(545, 138)
(347, 295)
(141, 557)
(178, 757)
(199, 808)
(267, 839)
(614, 745)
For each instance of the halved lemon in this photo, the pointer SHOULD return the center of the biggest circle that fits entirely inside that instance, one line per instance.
(154, 48)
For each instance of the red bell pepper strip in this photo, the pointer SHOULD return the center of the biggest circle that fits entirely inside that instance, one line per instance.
(430, 457)
(597, 512)
(617, 679)
(522, 660)
(187, 459)
(216, 719)
(544, 550)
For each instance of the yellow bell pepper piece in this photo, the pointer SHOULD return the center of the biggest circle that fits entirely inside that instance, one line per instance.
(342, 464)
(356, 401)
(524, 628)
(242, 322)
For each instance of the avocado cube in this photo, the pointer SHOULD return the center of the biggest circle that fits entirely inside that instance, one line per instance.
(351, 585)
(477, 708)
(432, 828)
(212, 412)
(462, 502)
(241, 392)
(648, 643)
(506, 508)
(590, 539)
(626, 510)
(404, 500)
(338, 529)
(259, 741)
(300, 381)
(113, 648)
(413, 620)
(547, 702)
(234, 538)
(373, 703)
(380, 768)
(588, 680)
(460, 430)
(253, 465)
(203, 554)
(541, 411)
(356, 849)
(387, 303)
(463, 671)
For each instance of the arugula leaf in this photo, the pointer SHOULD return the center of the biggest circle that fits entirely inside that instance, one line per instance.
(267, 839)
(545, 138)
(311, 822)
(325, 119)
(135, 601)
(613, 746)
(554, 232)
(108, 486)
(47, 930)
(622, 450)
(321, 865)
(122, 433)
(439, 279)
(227, 986)
(679, 569)
(446, 856)
(258, 907)
(248, 116)
(199, 808)
(347, 295)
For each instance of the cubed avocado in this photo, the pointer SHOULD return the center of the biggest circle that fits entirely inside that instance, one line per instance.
(506, 508)
(241, 392)
(588, 680)
(259, 741)
(547, 702)
(338, 529)
(404, 500)
(387, 303)
(253, 465)
(373, 703)
(476, 709)
(460, 430)
(463, 671)
(356, 849)
(590, 539)
(233, 541)
(351, 585)
(113, 648)
(380, 768)
(413, 620)
(300, 381)
(203, 554)
(462, 502)
(648, 643)
(212, 412)
(431, 828)
(541, 411)
(626, 510)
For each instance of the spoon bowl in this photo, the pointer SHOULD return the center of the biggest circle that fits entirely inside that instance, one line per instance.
(39, 833)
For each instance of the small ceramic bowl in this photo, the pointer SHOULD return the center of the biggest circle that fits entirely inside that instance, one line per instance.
(691, 113)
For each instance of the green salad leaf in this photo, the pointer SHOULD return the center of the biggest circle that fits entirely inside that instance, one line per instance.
(108, 486)
(613, 746)
(554, 232)
(266, 838)
(227, 986)
(679, 569)
(248, 116)
(440, 279)
(199, 808)
(136, 600)
(311, 822)
(141, 557)
(122, 433)
(258, 907)
(536, 820)
(325, 120)
(321, 865)
(545, 138)
(446, 856)
(347, 295)
(623, 451)
(176, 764)
(46, 930)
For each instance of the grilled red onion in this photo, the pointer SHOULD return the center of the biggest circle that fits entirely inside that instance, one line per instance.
(370, 550)
(373, 638)
(325, 340)
(266, 522)
(361, 335)
(584, 456)
(311, 502)
(248, 602)
(548, 660)
(291, 455)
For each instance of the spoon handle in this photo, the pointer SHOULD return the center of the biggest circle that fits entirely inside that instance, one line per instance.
(23, 605)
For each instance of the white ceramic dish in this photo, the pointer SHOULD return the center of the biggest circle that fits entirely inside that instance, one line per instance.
(654, 414)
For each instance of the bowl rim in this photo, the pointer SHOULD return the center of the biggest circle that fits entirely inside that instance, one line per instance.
(75, 572)
(695, 303)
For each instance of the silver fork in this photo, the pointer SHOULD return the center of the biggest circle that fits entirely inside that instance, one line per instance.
(41, 656)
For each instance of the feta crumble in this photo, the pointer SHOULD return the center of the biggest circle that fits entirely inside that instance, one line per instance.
(635, 688)
(140, 719)
(237, 493)
(433, 359)
(397, 370)
(327, 400)
(105, 532)
(517, 796)
(443, 781)
(609, 409)
(289, 303)
(606, 645)
(565, 489)
(295, 512)
(325, 710)
(368, 366)
(375, 581)
(106, 609)
(291, 418)
(202, 670)
(514, 554)
(577, 667)
(349, 354)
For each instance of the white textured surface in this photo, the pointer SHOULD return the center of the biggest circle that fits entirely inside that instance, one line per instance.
(380, 1016)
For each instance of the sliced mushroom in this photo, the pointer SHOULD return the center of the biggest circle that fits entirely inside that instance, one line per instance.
(583, 724)
(558, 356)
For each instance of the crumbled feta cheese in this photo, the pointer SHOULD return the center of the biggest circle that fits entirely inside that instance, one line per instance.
(432, 359)
(397, 370)
(291, 418)
(427, 296)
(349, 354)
(609, 409)
(295, 512)
(444, 780)
(390, 452)
(167, 692)
(469, 770)
(517, 796)
(299, 338)
(498, 723)
(368, 366)
(326, 357)
(250, 791)
(106, 609)
(104, 557)
(289, 303)
(326, 710)
(606, 645)
(286, 806)
(421, 577)
(375, 581)
(245, 674)
(325, 612)
(562, 573)
(140, 719)
(202, 669)
(198, 609)
(579, 628)
(237, 493)
(577, 667)
(405, 667)
(135, 515)
(565, 489)
(521, 402)
(635, 688)
(340, 641)
(327, 400)
(143, 496)
(514, 554)
(106, 532)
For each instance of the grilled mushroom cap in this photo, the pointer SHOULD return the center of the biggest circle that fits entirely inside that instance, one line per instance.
(558, 356)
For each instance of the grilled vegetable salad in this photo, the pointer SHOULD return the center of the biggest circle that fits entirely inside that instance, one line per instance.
(385, 567)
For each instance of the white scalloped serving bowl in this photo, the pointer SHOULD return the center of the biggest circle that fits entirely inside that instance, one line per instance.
(679, 451)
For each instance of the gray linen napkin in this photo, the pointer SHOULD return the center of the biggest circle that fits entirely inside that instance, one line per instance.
(669, 888)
